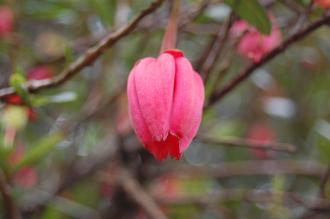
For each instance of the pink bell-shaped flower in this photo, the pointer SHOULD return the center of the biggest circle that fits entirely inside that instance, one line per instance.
(165, 97)
(253, 44)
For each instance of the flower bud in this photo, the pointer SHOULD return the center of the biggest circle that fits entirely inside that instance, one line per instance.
(325, 4)
(165, 97)
(6, 21)
(253, 44)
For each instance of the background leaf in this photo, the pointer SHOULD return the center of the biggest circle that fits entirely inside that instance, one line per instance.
(38, 152)
(252, 12)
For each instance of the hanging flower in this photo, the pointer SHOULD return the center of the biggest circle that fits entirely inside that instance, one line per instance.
(253, 44)
(165, 97)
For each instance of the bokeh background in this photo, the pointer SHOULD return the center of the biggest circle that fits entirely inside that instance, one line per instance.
(70, 152)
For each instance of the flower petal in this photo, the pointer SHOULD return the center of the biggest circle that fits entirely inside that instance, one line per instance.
(135, 114)
(154, 82)
(161, 149)
(187, 104)
(195, 123)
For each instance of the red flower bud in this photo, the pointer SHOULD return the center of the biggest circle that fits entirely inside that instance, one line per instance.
(40, 72)
(26, 176)
(261, 132)
(325, 4)
(165, 97)
(14, 99)
(6, 21)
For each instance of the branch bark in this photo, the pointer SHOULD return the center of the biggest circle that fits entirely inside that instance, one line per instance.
(133, 188)
(10, 208)
(324, 183)
(250, 69)
(250, 144)
(87, 58)
(257, 196)
(252, 168)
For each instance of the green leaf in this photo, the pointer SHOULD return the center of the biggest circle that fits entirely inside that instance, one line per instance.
(17, 81)
(252, 12)
(38, 101)
(46, 10)
(52, 213)
(39, 151)
(278, 183)
(323, 145)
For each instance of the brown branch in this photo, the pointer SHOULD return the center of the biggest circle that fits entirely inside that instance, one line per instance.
(250, 69)
(257, 196)
(324, 183)
(80, 44)
(252, 168)
(191, 16)
(213, 49)
(301, 19)
(88, 57)
(10, 208)
(137, 193)
(81, 170)
(77, 170)
(249, 143)
(293, 6)
(218, 50)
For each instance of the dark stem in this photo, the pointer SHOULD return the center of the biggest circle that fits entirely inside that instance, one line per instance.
(87, 58)
(249, 143)
(11, 210)
(324, 183)
(250, 69)
(170, 36)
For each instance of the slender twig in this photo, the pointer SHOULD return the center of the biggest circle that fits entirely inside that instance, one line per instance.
(205, 54)
(171, 32)
(201, 29)
(82, 43)
(82, 169)
(92, 108)
(218, 50)
(62, 204)
(300, 21)
(250, 69)
(194, 13)
(10, 208)
(249, 143)
(324, 182)
(257, 196)
(323, 187)
(293, 6)
(251, 168)
(214, 47)
(88, 57)
(137, 193)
